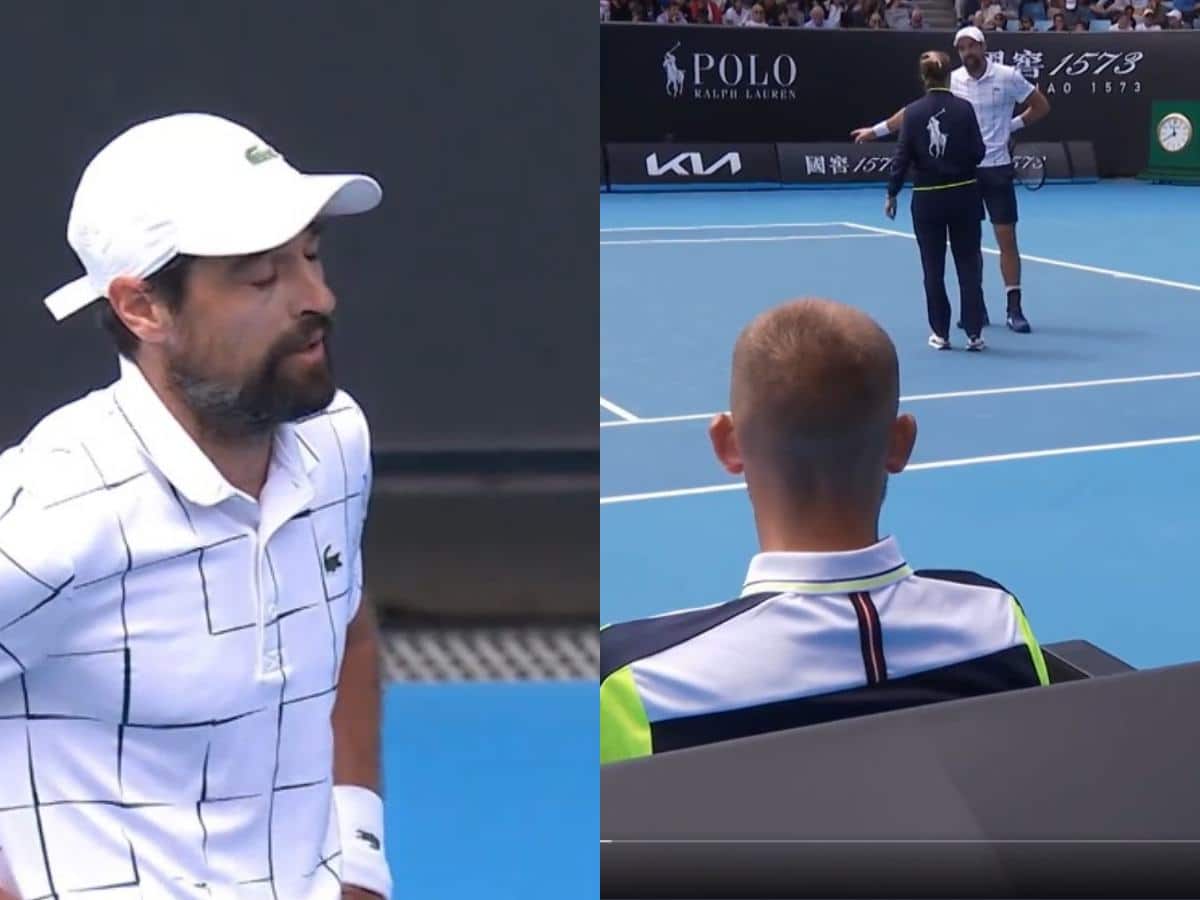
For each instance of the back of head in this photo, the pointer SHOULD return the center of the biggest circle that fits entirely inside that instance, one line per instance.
(815, 391)
(935, 69)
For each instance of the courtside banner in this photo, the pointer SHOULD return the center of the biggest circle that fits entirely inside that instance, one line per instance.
(691, 166)
(1053, 155)
(792, 85)
(844, 163)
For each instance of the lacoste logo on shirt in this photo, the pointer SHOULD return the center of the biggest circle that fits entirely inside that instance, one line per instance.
(259, 154)
(367, 838)
(333, 561)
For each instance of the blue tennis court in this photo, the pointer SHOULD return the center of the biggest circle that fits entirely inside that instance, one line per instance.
(1061, 463)
(492, 789)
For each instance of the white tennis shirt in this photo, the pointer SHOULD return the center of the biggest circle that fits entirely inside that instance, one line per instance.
(994, 94)
(169, 651)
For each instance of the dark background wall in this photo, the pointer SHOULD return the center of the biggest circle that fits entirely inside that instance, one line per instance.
(774, 86)
(461, 322)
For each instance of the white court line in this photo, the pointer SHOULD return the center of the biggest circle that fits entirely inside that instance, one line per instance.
(954, 395)
(919, 467)
(1079, 267)
(721, 227)
(745, 240)
(625, 414)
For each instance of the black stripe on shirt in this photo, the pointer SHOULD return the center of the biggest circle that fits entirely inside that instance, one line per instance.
(870, 636)
(1004, 670)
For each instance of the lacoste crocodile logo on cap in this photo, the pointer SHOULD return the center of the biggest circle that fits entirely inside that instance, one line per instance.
(260, 154)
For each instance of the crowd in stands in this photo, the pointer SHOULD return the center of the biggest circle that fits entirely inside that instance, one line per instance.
(899, 14)
(1077, 15)
(990, 15)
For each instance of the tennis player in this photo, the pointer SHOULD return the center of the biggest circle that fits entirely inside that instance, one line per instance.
(189, 684)
(940, 139)
(993, 89)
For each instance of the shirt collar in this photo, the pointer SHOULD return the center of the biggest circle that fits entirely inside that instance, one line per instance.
(170, 449)
(827, 573)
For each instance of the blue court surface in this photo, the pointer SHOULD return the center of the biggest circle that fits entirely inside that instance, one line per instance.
(1063, 463)
(492, 790)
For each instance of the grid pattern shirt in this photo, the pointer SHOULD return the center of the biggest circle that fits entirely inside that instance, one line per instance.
(994, 94)
(169, 654)
(814, 637)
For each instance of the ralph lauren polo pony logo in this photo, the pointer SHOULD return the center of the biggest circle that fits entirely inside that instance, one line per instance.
(333, 561)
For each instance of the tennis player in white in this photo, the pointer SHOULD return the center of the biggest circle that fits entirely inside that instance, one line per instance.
(189, 684)
(993, 89)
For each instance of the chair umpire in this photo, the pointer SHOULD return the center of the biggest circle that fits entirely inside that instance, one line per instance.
(940, 139)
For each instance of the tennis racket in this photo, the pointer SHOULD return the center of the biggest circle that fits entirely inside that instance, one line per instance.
(1030, 171)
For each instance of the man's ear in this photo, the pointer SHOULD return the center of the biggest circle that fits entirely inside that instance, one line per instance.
(132, 303)
(902, 437)
(725, 444)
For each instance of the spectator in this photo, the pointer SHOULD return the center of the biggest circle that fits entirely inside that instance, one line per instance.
(1154, 16)
(895, 13)
(965, 10)
(1000, 21)
(637, 11)
(619, 11)
(835, 11)
(1125, 20)
(604, 11)
(1175, 19)
(1035, 9)
(704, 11)
(916, 19)
(832, 621)
(795, 13)
(1076, 12)
(672, 14)
(987, 23)
(738, 14)
(1080, 25)
(817, 17)
(876, 21)
(770, 11)
(758, 18)
(861, 11)
(1187, 13)
(780, 18)
(1026, 24)
(1060, 22)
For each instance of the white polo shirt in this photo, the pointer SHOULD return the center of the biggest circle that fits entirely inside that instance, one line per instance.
(814, 637)
(169, 652)
(993, 94)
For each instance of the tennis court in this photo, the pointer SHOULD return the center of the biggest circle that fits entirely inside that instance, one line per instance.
(1061, 463)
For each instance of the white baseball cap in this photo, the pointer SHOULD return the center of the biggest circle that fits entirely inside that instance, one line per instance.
(195, 184)
(969, 32)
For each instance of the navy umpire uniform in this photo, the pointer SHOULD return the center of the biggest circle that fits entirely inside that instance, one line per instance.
(940, 139)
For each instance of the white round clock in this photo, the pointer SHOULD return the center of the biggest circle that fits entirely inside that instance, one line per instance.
(1174, 132)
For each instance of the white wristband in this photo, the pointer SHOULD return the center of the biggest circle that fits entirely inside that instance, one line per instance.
(360, 826)
(881, 129)
(1017, 124)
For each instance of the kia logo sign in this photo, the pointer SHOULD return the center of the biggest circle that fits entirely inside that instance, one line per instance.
(690, 165)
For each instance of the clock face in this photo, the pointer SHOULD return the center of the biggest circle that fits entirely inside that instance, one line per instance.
(1174, 132)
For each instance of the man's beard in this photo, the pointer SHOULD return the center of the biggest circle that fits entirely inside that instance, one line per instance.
(265, 399)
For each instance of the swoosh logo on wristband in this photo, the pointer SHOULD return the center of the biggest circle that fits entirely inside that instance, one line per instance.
(367, 838)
